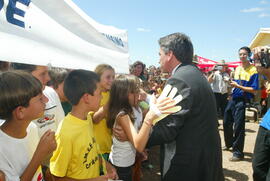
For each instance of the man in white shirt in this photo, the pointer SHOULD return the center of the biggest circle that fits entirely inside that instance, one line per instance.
(219, 80)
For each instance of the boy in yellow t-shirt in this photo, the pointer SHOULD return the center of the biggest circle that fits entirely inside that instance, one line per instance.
(77, 156)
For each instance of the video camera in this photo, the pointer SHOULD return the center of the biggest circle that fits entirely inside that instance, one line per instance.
(218, 67)
(264, 58)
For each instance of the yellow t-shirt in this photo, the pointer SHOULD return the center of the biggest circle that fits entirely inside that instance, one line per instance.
(102, 132)
(76, 155)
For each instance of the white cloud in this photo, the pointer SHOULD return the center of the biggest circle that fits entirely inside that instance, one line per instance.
(263, 2)
(143, 30)
(263, 15)
(251, 10)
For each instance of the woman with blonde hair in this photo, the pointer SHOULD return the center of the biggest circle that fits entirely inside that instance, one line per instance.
(102, 132)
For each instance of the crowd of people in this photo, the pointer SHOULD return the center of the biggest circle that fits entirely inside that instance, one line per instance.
(235, 91)
(60, 124)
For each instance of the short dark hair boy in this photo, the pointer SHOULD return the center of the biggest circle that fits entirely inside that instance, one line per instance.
(75, 135)
(17, 88)
(21, 101)
(54, 112)
(79, 82)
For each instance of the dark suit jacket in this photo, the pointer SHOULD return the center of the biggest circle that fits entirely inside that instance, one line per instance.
(189, 139)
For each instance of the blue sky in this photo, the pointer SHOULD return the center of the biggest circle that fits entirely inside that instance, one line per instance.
(217, 28)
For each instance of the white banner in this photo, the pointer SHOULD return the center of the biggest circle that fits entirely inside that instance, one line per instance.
(57, 32)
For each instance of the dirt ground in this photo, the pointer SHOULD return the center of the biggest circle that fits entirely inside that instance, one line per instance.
(233, 171)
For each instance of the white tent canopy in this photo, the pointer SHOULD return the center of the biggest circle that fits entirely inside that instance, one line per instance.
(59, 33)
(262, 38)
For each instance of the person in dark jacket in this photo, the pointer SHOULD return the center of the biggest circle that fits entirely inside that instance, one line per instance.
(189, 139)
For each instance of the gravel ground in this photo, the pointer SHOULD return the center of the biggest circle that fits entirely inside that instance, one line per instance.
(240, 171)
(233, 171)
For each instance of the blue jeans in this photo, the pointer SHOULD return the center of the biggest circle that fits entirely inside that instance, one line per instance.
(234, 126)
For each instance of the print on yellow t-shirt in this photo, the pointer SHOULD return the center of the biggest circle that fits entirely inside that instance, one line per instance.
(77, 154)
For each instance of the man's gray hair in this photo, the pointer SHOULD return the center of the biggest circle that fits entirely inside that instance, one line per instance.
(180, 44)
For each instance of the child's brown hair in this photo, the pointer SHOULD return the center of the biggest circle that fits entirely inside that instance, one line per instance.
(17, 88)
(121, 87)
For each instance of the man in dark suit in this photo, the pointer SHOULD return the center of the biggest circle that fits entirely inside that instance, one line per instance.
(189, 139)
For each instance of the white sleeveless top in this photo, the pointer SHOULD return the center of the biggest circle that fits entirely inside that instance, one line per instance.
(123, 153)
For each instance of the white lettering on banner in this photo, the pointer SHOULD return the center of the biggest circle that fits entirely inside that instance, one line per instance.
(72, 40)
(13, 11)
(114, 39)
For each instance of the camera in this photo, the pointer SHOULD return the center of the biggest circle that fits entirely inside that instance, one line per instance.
(265, 59)
(219, 67)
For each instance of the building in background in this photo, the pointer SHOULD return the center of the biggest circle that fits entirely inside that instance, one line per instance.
(262, 38)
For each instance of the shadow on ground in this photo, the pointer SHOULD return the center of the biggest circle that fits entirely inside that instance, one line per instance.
(248, 157)
(232, 174)
(250, 131)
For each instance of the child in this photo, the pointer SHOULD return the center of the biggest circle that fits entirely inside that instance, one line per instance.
(58, 76)
(121, 112)
(77, 155)
(22, 100)
(102, 132)
(53, 111)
